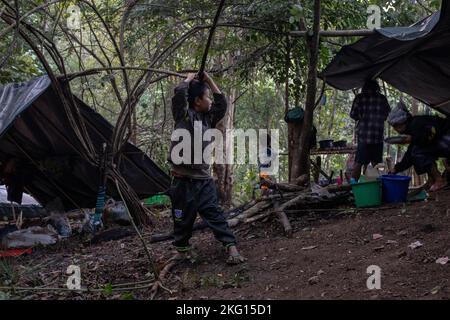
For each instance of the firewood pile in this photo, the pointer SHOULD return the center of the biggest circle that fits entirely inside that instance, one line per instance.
(290, 198)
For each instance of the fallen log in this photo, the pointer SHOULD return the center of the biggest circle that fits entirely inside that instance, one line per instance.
(258, 207)
(258, 217)
(279, 195)
(287, 187)
(295, 201)
(282, 186)
(261, 208)
(284, 220)
(303, 199)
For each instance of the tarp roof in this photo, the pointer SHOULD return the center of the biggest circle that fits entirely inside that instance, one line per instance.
(33, 124)
(414, 59)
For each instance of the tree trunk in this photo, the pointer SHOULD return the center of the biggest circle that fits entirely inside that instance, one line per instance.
(291, 127)
(313, 48)
(294, 131)
(223, 173)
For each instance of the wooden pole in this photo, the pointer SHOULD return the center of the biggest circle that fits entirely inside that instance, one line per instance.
(335, 33)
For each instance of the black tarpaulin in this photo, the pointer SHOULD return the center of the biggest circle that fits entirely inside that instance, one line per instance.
(34, 129)
(414, 59)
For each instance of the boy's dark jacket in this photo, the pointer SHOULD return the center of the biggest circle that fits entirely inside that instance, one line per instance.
(184, 118)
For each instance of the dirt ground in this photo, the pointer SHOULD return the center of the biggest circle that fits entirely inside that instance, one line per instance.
(327, 258)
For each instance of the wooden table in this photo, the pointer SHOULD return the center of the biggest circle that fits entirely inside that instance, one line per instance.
(329, 151)
(347, 150)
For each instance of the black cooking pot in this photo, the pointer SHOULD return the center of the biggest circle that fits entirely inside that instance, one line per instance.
(326, 144)
(340, 144)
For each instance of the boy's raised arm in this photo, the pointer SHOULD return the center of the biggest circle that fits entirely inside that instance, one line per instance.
(179, 100)
(214, 88)
(219, 107)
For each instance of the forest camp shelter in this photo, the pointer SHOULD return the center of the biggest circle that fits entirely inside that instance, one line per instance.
(35, 129)
(413, 59)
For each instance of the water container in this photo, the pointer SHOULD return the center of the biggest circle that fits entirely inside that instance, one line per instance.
(395, 188)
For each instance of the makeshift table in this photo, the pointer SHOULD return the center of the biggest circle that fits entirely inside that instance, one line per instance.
(317, 164)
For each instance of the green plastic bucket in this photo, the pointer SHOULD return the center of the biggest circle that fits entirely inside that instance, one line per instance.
(367, 194)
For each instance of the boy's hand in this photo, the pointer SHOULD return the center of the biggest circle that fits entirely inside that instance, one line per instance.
(206, 77)
(190, 77)
(408, 139)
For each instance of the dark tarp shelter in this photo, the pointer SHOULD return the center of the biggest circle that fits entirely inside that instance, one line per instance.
(414, 59)
(34, 128)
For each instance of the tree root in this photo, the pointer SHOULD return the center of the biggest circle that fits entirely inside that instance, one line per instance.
(162, 274)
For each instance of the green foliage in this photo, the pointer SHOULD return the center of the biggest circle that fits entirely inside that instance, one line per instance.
(108, 289)
(8, 272)
(297, 14)
(20, 65)
(219, 281)
(128, 296)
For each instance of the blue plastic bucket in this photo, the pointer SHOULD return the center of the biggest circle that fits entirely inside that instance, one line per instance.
(395, 188)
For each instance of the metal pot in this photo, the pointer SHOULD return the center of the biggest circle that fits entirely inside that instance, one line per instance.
(326, 144)
(340, 144)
